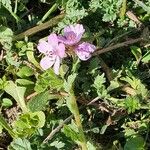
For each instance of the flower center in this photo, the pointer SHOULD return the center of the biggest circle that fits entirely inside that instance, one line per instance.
(50, 53)
(71, 36)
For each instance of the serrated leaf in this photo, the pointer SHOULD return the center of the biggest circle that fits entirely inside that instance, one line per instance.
(48, 80)
(28, 123)
(38, 103)
(113, 85)
(70, 132)
(68, 85)
(132, 104)
(99, 81)
(20, 144)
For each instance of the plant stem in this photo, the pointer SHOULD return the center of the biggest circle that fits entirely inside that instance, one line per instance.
(52, 9)
(4, 124)
(78, 121)
(16, 5)
(52, 22)
(123, 44)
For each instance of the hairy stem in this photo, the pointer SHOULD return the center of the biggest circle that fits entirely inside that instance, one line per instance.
(52, 22)
(123, 44)
(78, 121)
(52, 9)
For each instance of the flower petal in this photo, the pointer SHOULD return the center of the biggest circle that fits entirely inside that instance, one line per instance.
(68, 29)
(61, 50)
(79, 30)
(62, 39)
(44, 46)
(56, 65)
(46, 62)
(53, 40)
(83, 55)
(84, 50)
(73, 34)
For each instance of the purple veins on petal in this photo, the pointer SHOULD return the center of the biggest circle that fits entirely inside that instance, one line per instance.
(84, 50)
(53, 51)
(72, 34)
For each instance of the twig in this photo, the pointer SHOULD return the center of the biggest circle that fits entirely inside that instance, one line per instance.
(52, 22)
(1, 55)
(53, 132)
(50, 136)
(31, 95)
(106, 69)
(123, 44)
(93, 101)
(133, 17)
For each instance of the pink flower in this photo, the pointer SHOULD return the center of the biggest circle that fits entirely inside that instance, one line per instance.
(53, 51)
(72, 34)
(84, 50)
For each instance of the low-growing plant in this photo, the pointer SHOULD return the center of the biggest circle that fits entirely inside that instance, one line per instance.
(74, 74)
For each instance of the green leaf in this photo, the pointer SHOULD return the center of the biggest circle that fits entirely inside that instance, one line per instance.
(6, 102)
(90, 146)
(20, 144)
(63, 70)
(103, 129)
(57, 144)
(30, 55)
(113, 85)
(6, 4)
(137, 85)
(48, 80)
(6, 37)
(146, 57)
(71, 104)
(100, 87)
(24, 82)
(29, 123)
(136, 51)
(99, 81)
(70, 132)
(25, 72)
(1, 128)
(132, 104)
(141, 4)
(3, 82)
(39, 101)
(41, 117)
(17, 92)
(68, 85)
(5, 125)
(136, 143)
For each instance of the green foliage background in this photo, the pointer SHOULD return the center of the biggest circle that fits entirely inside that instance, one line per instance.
(112, 89)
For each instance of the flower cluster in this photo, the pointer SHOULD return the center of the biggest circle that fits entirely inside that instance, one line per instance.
(54, 47)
